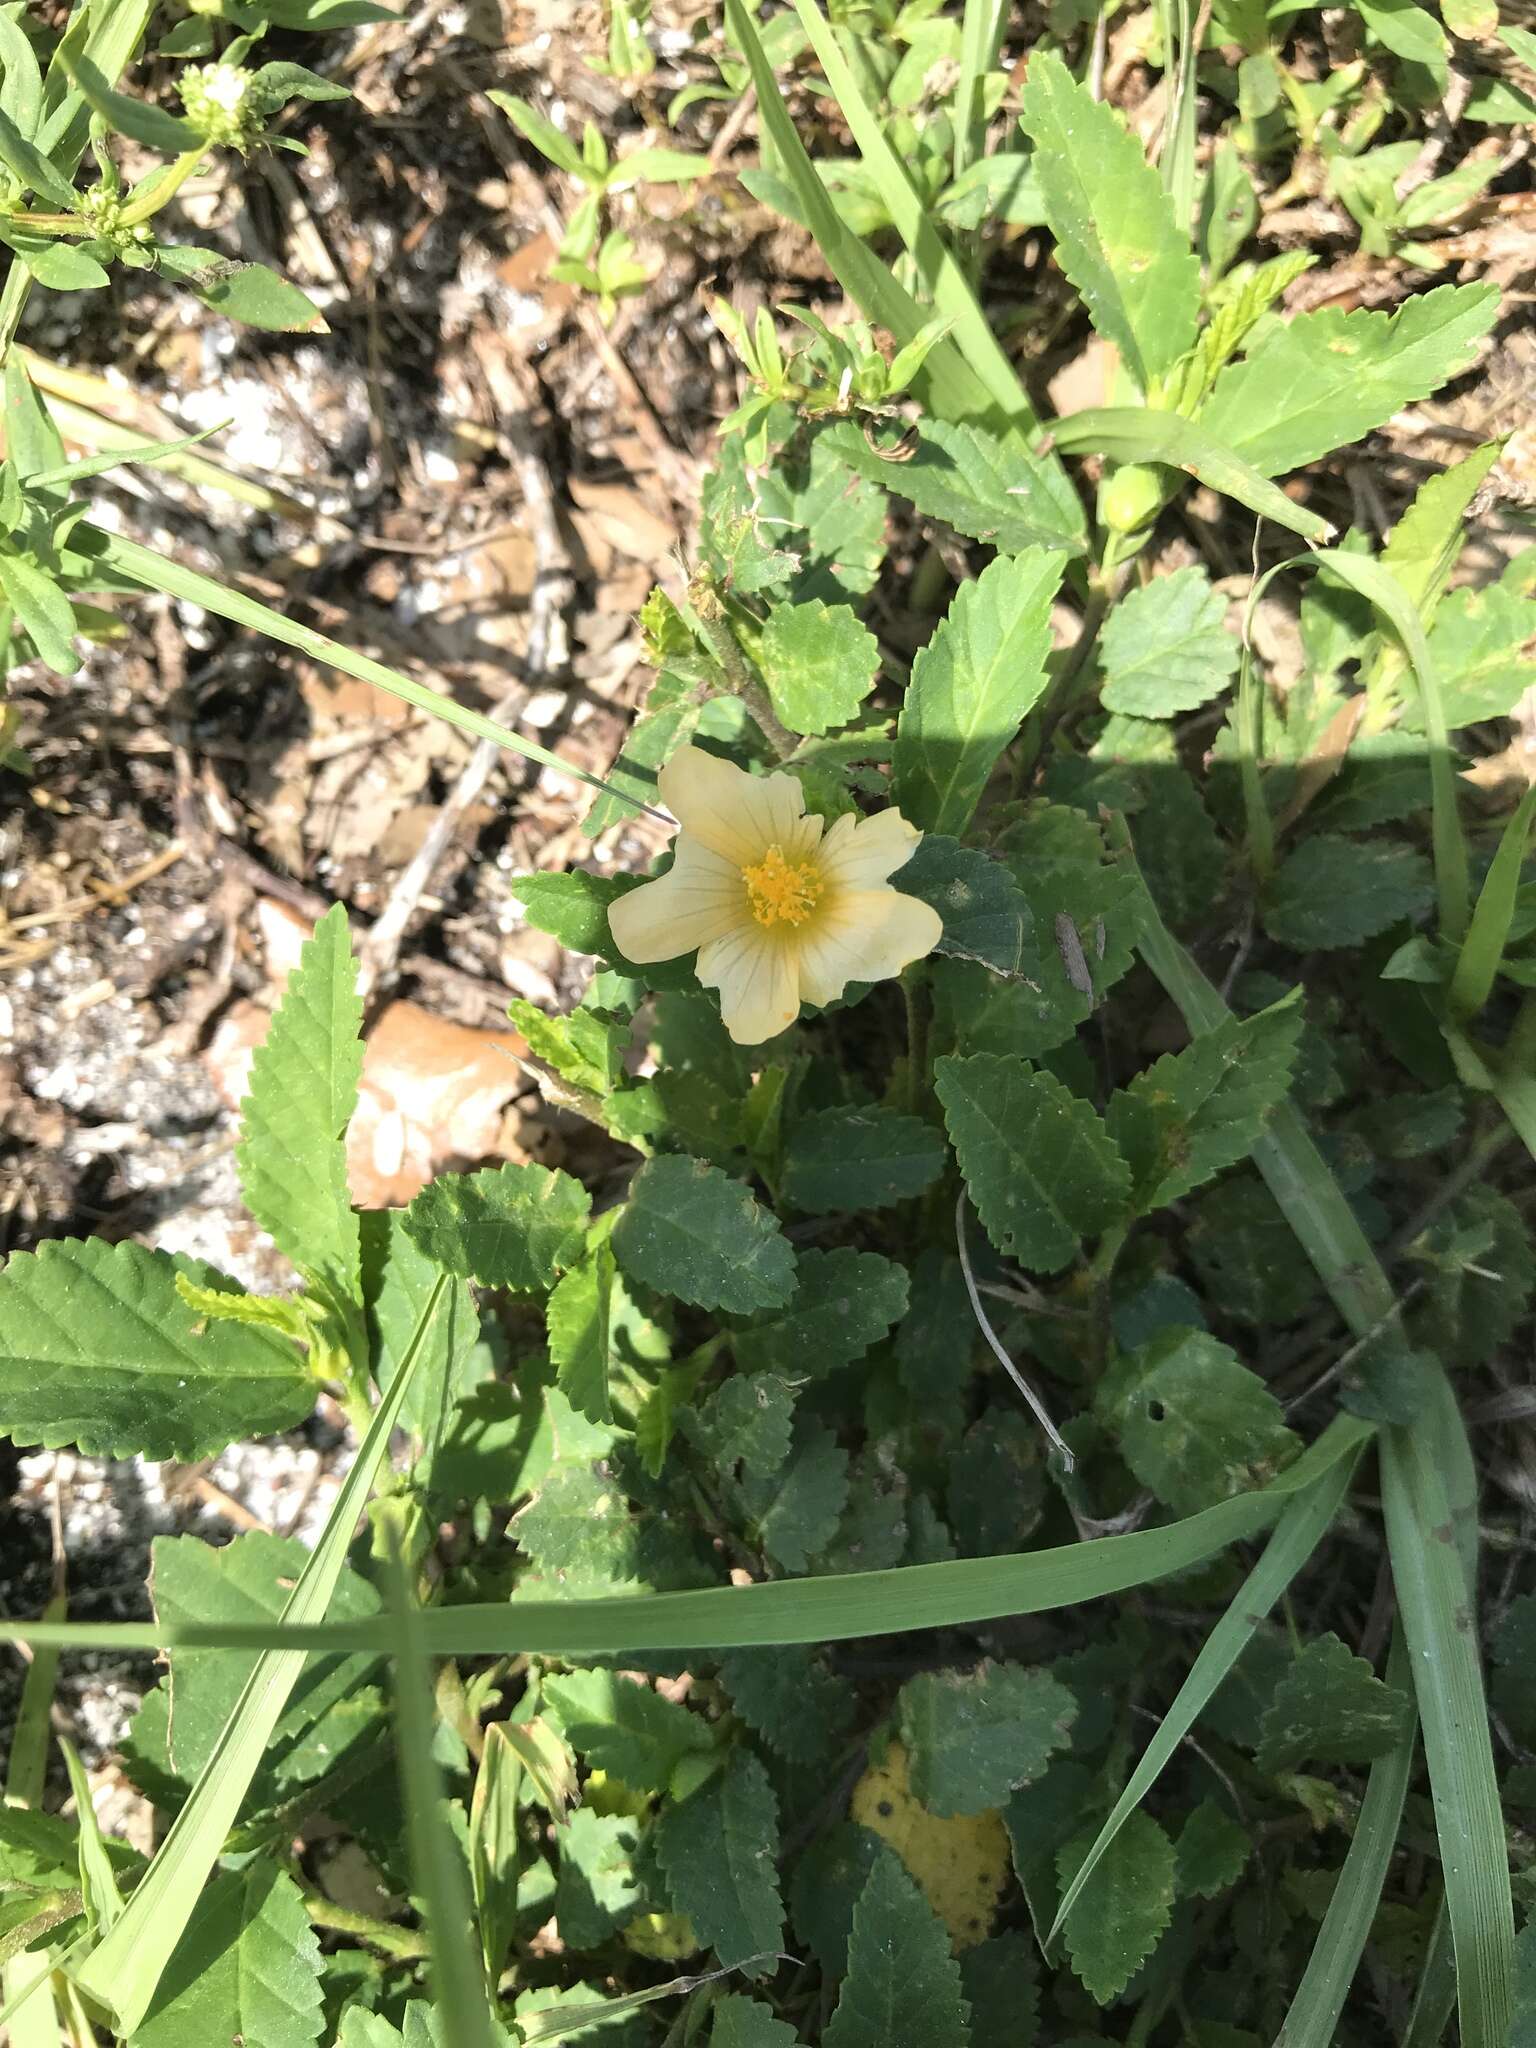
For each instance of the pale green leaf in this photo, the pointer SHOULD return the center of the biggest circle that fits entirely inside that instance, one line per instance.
(622, 1727)
(579, 1314)
(973, 1737)
(1039, 1165)
(843, 1302)
(988, 488)
(1122, 1911)
(597, 1890)
(247, 1968)
(819, 663)
(1194, 1424)
(1117, 238)
(693, 1232)
(507, 1226)
(1480, 645)
(902, 1987)
(1409, 30)
(829, 514)
(249, 292)
(98, 1349)
(398, 1279)
(303, 1090)
(1324, 379)
(1165, 647)
(43, 610)
(718, 1849)
(1198, 1111)
(972, 686)
(1330, 1708)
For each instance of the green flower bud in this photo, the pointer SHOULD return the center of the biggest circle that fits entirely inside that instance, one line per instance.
(1131, 497)
(222, 104)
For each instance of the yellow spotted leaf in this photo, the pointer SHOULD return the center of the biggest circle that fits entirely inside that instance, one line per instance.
(961, 1864)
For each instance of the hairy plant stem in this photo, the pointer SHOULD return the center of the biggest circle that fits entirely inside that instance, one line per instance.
(402, 1944)
(742, 683)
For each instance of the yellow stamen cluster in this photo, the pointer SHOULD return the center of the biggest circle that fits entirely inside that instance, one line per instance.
(781, 891)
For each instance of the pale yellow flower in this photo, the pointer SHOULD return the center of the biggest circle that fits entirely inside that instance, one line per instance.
(782, 908)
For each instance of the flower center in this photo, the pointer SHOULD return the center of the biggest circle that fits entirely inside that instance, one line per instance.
(780, 891)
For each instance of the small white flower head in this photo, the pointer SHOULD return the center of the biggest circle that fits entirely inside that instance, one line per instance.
(221, 103)
(782, 907)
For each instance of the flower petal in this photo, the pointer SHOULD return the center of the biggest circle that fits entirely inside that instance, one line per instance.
(758, 980)
(860, 853)
(701, 897)
(731, 812)
(865, 935)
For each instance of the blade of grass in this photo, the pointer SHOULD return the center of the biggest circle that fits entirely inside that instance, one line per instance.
(31, 2015)
(941, 275)
(948, 383)
(835, 1608)
(1435, 1999)
(121, 1973)
(158, 572)
(458, 1981)
(1131, 433)
(1509, 1074)
(1177, 160)
(981, 35)
(1298, 1532)
(1483, 947)
(1314, 2011)
(1422, 1466)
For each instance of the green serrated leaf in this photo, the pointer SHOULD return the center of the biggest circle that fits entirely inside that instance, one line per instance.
(718, 1849)
(1330, 1708)
(829, 515)
(902, 1988)
(819, 663)
(597, 1890)
(506, 1226)
(579, 1531)
(1041, 1169)
(796, 1510)
(1213, 1852)
(690, 1231)
(1194, 1424)
(986, 915)
(743, 2023)
(999, 1978)
(985, 487)
(1325, 379)
(1332, 891)
(451, 1360)
(579, 1315)
(973, 1737)
(746, 1421)
(1198, 1111)
(623, 1728)
(303, 1089)
(850, 1159)
(584, 1047)
(843, 1302)
(1480, 645)
(789, 1698)
(972, 687)
(1165, 647)
(1122, 1911)
(98, 1349)
(1116, 235)
(247, 1968)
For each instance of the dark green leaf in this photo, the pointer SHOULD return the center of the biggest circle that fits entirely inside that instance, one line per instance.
(1335, 892)
(985, 487)
(34, 171)
(1194, 1424)
(718, 1848)
(247, 1968)
(1198, 1111)
(850, 1159)
(797, 1509)
(125, 116)
(43, 610)
(579, 1315)
(843, 1302)
(986, 916)
(507, 1226)
(1213, 1852)
(690, 1231)
(973, 1737)
(624, 1728)
(789, 1698)
(1121, 1912)
(1038, 1162)
(999, 1978)
(744, 2023)
(746, 1421)
(902, 1989)
(1330, 1708)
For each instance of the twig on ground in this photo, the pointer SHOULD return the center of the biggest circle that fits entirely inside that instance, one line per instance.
(547, 655)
